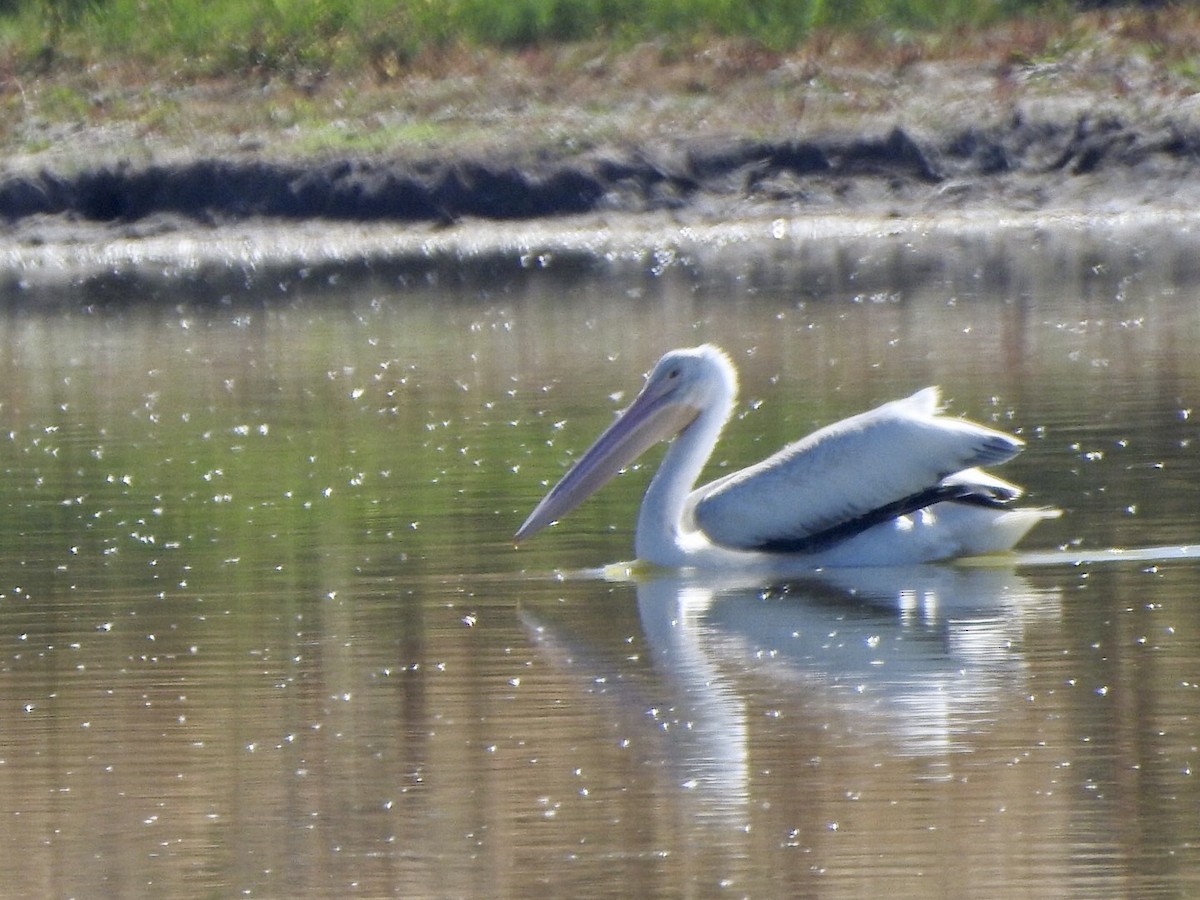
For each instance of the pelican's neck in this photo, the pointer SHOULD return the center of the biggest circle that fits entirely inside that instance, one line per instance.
(661, 519)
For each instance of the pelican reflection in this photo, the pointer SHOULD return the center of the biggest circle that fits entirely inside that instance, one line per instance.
(923, 657)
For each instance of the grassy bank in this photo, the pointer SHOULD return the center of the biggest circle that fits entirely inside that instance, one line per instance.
(91, 82)
(385, 35)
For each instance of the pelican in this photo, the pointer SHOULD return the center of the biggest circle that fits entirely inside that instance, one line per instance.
(898, 484)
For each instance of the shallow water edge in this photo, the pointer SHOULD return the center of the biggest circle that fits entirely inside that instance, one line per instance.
(200, 264)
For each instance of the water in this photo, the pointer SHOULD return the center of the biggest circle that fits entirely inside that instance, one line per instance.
(263, 632)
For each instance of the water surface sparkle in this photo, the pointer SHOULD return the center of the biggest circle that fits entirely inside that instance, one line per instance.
(263, 630)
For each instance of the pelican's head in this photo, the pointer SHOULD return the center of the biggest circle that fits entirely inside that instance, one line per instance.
(681, 386)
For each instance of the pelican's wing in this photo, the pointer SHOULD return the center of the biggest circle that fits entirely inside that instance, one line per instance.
(848, 476)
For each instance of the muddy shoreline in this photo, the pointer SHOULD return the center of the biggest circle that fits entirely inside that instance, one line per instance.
(512, 152)
(1081, 163)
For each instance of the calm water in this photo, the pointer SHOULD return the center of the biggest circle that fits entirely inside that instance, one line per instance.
(263, 632)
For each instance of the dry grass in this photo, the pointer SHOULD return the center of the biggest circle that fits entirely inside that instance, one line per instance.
(564, 98)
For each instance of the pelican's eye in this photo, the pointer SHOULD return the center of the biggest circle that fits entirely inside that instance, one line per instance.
(674, 373)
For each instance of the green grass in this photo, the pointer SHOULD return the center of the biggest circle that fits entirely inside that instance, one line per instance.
(324, 137)
(288, 36)
(119, 79)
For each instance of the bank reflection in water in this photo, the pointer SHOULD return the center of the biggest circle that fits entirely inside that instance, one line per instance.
(925, 655)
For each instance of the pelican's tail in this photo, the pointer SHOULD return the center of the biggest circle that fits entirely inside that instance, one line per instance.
(1003, 530)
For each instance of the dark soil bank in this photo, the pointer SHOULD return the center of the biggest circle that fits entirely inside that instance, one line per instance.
(1077, 162)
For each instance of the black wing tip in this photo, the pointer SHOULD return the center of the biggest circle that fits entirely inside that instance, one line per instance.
(992, 496)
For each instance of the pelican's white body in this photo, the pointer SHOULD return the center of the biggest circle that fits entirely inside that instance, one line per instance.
(848, 473)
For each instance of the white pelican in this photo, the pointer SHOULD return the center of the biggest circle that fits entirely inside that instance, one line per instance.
(897, 484)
